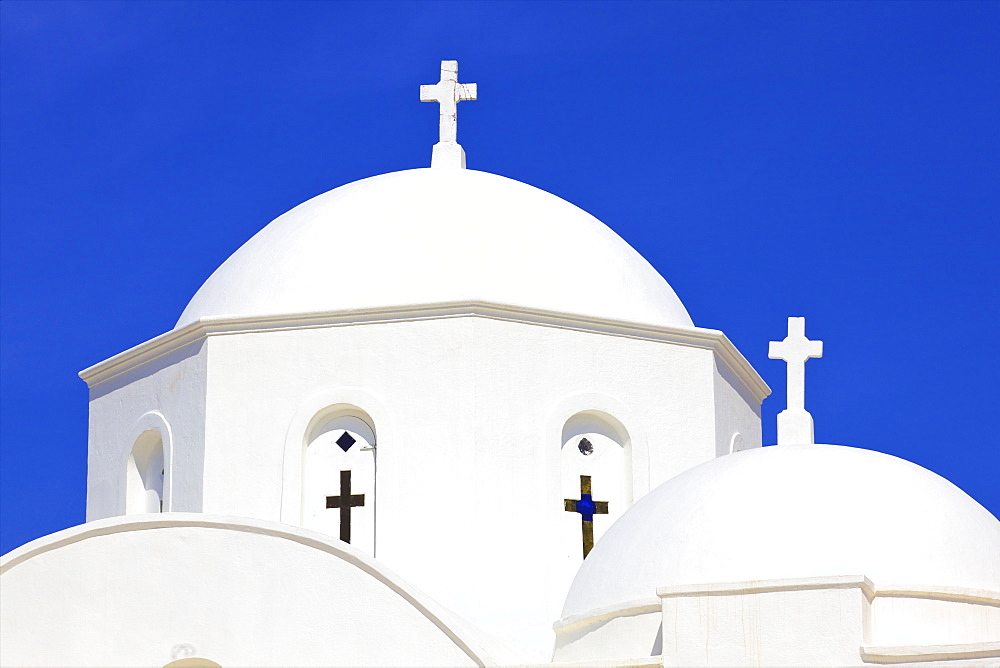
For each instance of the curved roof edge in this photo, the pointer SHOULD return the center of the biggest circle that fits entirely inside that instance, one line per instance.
(480, 647)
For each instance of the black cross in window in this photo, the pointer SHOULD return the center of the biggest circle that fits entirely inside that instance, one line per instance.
(587, 508)
(345, 502)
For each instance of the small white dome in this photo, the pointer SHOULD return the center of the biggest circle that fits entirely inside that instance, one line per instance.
(428, 236)
(793, 511)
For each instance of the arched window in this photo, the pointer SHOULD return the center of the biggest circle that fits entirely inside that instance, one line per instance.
(339, 479)
(144, 475)
(596, 481)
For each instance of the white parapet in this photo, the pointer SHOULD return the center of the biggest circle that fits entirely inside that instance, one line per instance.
(834, 620)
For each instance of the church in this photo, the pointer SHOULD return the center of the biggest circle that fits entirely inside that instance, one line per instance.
(325, 461)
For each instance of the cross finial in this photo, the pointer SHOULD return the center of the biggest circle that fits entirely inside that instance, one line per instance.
(795, 424)
(448, 93)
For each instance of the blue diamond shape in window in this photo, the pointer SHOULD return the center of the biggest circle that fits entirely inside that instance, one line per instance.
(346, 441)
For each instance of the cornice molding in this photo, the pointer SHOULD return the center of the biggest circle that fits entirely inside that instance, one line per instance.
(600, 615)
(768, 586)
(697, 337)
(872, 591)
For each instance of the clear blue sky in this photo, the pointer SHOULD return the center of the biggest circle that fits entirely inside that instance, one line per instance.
(839, 161)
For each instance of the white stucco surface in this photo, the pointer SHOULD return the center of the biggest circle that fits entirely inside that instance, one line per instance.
(437, 235)
(167, 395)
(793, 512)
(843, 620)
(468, 406)
(815, 622)
(141, 591)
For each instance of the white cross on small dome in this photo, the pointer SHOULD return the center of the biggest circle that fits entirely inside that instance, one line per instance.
(795, 424)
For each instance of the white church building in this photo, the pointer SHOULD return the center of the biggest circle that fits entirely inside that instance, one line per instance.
(324, 463)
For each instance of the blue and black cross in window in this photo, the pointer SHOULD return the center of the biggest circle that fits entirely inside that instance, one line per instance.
(587, 508)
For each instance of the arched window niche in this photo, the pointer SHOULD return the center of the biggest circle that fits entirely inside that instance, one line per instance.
(144, 475)
(595, 468)
(338, 485)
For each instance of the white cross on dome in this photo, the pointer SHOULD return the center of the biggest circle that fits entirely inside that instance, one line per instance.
(448, 93)
(795, 424)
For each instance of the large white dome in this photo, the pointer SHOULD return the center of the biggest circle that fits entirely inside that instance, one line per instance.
(428, 236)
(793, 511)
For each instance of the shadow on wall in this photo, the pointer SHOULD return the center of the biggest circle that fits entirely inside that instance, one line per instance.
(144, 474)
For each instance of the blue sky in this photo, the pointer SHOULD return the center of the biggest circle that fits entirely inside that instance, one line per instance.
(838, 161)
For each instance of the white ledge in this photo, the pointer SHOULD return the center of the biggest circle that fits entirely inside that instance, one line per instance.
(640, 662)
(929, 592)
(764, 586)
(914, 653)
(171, 341)
(958, 594)
(637, 607)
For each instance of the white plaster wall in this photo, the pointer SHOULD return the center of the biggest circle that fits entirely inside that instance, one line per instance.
(467, 413)
(795, 626)
(629, 633)
(139, 592)
(737, 414)
(657, 391)
(925, 618)
(166, 394)
(420, 372)
(837, 620)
